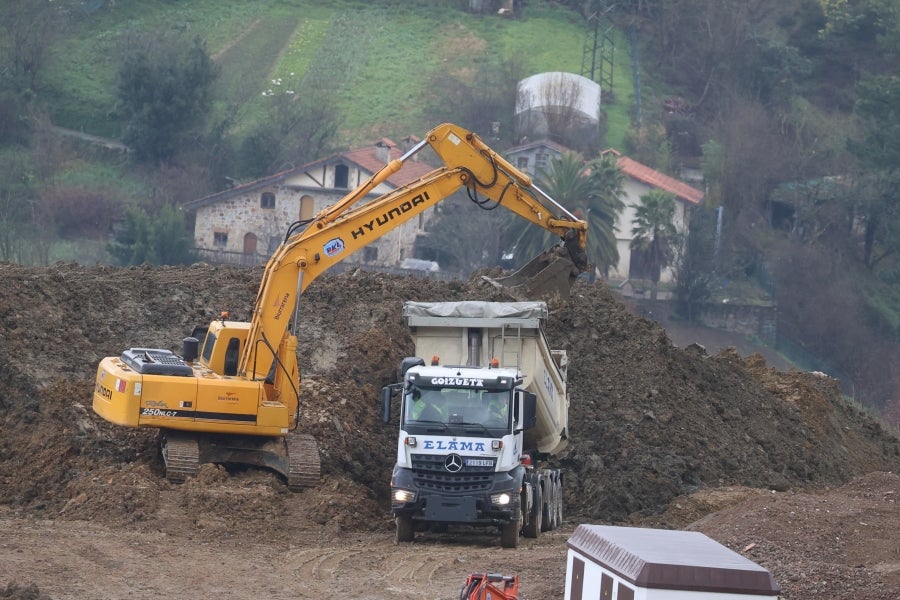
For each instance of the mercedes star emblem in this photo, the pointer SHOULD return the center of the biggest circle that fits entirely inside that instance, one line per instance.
(453, 463)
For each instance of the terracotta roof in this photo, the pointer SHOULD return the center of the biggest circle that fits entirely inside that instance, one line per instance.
(365, 158)
(368, 159)
(654, 178)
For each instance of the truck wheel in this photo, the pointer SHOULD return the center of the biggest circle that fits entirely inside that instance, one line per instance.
(533, 526)
(559, 504)
(405, 530)
(548, 509)
(509, 535)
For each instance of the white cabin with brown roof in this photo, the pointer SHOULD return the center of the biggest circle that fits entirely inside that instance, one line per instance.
(245, 223)
(639, 181)
(535, 157)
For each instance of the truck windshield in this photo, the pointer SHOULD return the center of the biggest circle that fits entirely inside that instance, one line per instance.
(455, 406)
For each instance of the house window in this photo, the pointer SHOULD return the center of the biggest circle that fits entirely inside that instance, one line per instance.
(370, 254)
(540, 161)
(341, 176)
(522, 163)
(267, 200)
(274, 242)
(220, 239)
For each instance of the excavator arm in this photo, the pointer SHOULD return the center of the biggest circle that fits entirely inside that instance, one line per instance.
(350, 224)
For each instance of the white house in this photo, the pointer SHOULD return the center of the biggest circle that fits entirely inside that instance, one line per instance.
(244, 224)
(535, 157)
(639, 180)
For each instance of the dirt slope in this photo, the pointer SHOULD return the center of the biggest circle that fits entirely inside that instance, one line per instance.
(661, 437)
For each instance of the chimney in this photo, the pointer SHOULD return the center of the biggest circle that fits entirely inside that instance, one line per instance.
(407, 143)
(383, 152)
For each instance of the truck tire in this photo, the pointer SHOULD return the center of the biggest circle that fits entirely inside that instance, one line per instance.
(405, 529)
(533, 526)
(559, 504)
(509, 535)
(548, 509)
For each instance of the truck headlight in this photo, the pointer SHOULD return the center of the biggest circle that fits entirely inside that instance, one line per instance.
(402, 496)
(500, 500)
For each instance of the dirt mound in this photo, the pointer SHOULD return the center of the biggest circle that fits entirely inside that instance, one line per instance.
(650, 423)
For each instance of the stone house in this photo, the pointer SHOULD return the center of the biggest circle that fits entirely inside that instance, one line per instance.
(245, 223)
(535, 157)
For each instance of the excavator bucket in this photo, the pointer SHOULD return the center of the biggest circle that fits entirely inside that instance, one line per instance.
(548, 277)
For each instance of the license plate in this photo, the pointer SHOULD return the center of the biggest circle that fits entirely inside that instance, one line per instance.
(479, 462)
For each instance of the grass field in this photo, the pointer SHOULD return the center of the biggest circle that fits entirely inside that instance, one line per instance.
(378, 59)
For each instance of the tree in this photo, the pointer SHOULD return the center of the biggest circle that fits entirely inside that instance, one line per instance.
(655, 237)
(696, 266)
(602, 210)
(28, 31)
(301, 128)
(463, 236)
(164, 89)
(592, 189)
(879, 151)
(172, 242)
(160, 239)
(482, 100)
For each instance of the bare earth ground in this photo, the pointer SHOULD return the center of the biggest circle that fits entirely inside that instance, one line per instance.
(773, 464)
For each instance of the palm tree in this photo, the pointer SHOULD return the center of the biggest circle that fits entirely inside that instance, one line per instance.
(655, 237)
(602, 210)
(593, 190)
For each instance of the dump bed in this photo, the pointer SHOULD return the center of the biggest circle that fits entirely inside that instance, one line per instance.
(472, 333)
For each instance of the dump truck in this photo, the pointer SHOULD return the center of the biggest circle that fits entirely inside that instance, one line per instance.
(478, 421)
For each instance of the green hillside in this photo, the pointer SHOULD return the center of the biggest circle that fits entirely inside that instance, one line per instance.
(379, 59)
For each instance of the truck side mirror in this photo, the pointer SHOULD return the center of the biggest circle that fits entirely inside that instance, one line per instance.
(529, 410)
(407, 363)
(386, 393)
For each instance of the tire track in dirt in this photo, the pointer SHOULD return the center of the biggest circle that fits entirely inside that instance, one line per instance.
(380, 564)
(377, 567)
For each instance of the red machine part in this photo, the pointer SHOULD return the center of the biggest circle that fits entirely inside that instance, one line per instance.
(490, 586)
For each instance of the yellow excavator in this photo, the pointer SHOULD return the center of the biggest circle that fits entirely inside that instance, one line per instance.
(232, 396)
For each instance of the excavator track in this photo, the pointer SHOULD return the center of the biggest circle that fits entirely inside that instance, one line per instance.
(181, 453)
(304, 467)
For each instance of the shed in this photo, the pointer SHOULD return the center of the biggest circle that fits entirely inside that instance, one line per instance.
(632, 563)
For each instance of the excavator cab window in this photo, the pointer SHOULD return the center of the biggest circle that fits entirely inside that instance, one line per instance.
(199, 332)
(208, 346)
(232, 354)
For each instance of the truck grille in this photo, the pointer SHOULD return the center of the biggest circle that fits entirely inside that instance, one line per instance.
(430, 474)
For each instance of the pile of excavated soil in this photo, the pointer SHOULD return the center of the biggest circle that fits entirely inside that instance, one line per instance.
(652, 426)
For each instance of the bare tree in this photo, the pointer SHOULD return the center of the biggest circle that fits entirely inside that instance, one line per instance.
(29, 29)
(560, 97)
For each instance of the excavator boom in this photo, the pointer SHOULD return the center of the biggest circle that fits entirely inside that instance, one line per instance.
(346, 226)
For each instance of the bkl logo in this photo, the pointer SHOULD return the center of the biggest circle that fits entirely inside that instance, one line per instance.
(333, 247)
